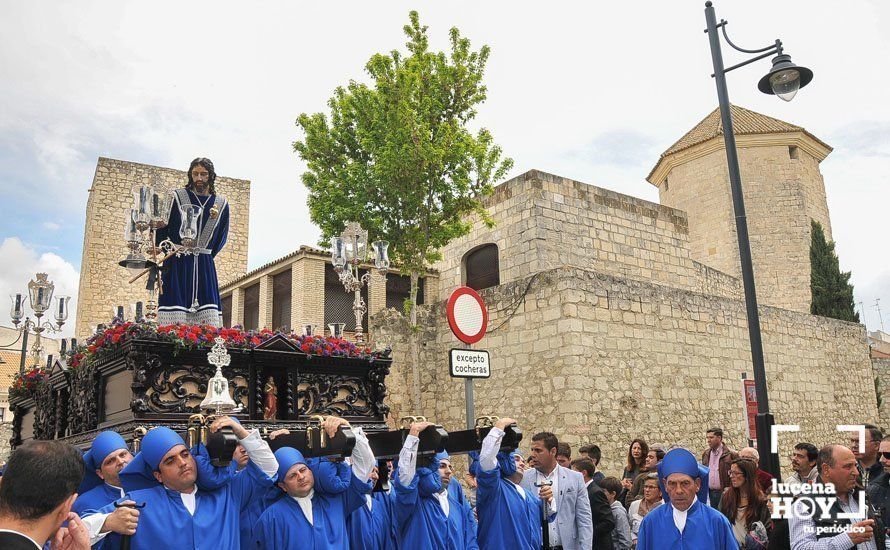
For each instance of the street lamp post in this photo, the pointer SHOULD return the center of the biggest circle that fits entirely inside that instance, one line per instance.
(783, 80)
(348, 252)
(40, 294)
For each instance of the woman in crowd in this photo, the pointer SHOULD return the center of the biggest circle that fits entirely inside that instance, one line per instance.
(636, 461)
(745, 505)
(642, 506)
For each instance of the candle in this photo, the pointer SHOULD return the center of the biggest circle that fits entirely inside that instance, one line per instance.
(61, 306)
(138, 311)
(39, 296)
(120, 312)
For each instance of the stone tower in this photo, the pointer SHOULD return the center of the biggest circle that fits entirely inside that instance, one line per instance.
(783, 190)
(103, 283)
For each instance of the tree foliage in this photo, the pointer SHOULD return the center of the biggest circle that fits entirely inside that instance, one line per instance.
(398, 155)
(831, 289)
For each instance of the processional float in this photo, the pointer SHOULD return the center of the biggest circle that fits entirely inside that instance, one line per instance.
(267, 380)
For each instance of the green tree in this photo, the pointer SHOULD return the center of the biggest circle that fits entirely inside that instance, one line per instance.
(397, 155)
(830, 287)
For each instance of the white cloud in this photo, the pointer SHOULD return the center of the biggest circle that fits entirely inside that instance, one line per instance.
(221, 81)
(20, 264)
(52, 226)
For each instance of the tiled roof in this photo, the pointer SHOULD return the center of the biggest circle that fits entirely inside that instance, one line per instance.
(744, 122)
(9, 365)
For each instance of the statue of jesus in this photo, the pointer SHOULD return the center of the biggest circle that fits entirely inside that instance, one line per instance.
(190, 289)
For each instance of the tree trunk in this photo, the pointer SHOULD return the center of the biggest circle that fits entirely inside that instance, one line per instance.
(415, 350)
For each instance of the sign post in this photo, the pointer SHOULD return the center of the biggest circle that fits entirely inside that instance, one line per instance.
(749, 399)
(468, 320)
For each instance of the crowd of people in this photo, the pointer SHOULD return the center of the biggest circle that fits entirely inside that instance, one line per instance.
(168, 495)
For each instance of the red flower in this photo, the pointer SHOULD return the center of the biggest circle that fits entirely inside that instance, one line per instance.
(255, 341)
(116, 338)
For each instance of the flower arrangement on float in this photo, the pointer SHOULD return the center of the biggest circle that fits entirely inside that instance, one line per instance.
(193, 337)
(25, 384)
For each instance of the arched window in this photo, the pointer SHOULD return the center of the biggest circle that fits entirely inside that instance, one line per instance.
(480, 267)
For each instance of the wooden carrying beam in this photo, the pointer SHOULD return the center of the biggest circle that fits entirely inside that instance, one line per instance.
(465, 441)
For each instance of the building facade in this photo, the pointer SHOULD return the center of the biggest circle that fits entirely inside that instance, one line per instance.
(302, 288)
(611, 319)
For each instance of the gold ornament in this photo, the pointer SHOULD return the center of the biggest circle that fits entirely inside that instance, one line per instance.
(214, 212)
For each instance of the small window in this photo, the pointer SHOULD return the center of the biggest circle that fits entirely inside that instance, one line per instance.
(226, 303)
(665, 184)
(281, 295)
(793, 153)
(338, 303)
(481, 268)
(2, 414)
(398, 289)
(252, 307)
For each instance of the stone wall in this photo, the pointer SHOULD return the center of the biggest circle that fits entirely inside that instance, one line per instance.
(103, 283)
(881, 368)
(782, 194)
(604, 359)
(5, 437)
(543, 221)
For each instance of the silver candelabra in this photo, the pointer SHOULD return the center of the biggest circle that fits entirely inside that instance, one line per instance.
(40, 294)
(348, 252)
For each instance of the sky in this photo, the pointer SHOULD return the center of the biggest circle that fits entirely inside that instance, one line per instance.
(593, 91)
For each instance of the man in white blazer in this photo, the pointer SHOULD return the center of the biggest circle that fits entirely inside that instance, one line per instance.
(572, 529)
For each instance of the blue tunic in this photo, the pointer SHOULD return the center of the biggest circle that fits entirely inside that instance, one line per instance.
(94, 499)
(506, 518)
(372, 529)
(166, 523)
(706, 529)
(461, 523)
(179, 272)
(283, 526)
(419, 519)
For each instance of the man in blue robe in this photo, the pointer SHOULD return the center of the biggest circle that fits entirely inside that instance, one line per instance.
(190, 289)
(101, 486)
(461, 521)
(370, 526)
(420, 521)
(177, 513)
(686, 523)
(509, 516)
(317, 498)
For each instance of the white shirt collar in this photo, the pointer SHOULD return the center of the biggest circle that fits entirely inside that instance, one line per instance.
(680, 516)
(306, 505)
(443, 501)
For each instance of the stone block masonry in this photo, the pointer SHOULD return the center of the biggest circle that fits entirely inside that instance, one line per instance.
(103, 283)
(602, 359)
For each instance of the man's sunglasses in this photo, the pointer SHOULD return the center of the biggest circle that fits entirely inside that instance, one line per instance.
(886, 455)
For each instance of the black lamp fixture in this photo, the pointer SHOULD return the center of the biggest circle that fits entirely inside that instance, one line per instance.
(785, 78)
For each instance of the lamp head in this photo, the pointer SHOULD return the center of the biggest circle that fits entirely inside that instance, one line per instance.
(785, 78)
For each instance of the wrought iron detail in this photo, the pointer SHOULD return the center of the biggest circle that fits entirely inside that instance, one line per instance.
(333, 394)
(44, 412)
(62, 398)
(83, 403)
(377, 381)
(180, 388)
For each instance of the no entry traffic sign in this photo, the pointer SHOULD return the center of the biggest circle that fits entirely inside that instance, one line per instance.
(467, 315)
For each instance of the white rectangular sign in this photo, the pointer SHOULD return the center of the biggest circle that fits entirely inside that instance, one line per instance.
(470, 363)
